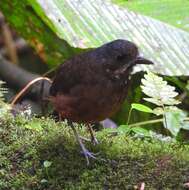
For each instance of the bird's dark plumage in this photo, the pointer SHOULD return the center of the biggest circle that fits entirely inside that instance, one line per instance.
(92, 86)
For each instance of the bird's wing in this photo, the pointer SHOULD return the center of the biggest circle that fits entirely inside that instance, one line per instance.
(75, 72)
(65, 79)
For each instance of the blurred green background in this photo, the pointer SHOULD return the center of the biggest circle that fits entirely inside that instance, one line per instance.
(175, 12)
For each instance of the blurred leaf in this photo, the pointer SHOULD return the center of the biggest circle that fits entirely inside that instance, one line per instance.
(158, 111)
(141, 107)
(159, 91)
(174, 121)
(29, 25)
(123, 129)
(141, 131)
(89, 24)
(185, 125)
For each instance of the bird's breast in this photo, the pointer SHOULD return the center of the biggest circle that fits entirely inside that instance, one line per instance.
(89, 105)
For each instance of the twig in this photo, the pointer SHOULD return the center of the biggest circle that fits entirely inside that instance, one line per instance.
(18, 78)
(49, 72)
(164, 116)
(129, 116)
(20, 94)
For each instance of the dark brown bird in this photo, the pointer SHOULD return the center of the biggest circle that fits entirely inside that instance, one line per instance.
(92, 86)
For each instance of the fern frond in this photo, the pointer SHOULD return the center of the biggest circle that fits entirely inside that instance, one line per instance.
(3, 91)
(159, 92)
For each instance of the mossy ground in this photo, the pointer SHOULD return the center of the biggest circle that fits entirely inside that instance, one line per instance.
(124, 162)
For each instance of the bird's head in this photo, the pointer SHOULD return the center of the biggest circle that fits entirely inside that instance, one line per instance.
(122, 55)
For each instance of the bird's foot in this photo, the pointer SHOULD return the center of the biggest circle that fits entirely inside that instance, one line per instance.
(88, 154)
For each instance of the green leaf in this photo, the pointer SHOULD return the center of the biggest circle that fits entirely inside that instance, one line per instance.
(47, 164)
(174, 121)
(123, 129)
(141, 131)
(141, 107)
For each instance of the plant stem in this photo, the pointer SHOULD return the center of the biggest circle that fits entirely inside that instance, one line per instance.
(164, 116)
(129, 116)
(151, 122)
(146, 122)
(48, 177)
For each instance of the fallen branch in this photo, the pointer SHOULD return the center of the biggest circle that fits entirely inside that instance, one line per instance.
(18, 78)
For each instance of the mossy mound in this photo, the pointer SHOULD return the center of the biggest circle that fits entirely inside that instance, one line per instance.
(124, 162)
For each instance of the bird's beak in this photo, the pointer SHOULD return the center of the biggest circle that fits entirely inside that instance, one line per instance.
(138, 60)
(141, 60)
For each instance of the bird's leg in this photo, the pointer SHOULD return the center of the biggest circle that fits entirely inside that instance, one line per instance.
(86, 153)
(93, 138)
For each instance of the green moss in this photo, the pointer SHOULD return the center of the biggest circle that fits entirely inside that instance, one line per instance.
(123, 162)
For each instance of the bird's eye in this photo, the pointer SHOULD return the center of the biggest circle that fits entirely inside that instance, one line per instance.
(121, 57)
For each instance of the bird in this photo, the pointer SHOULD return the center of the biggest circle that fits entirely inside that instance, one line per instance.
(93, 85)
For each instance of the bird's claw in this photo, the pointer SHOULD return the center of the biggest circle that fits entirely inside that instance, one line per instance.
(88, 155)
